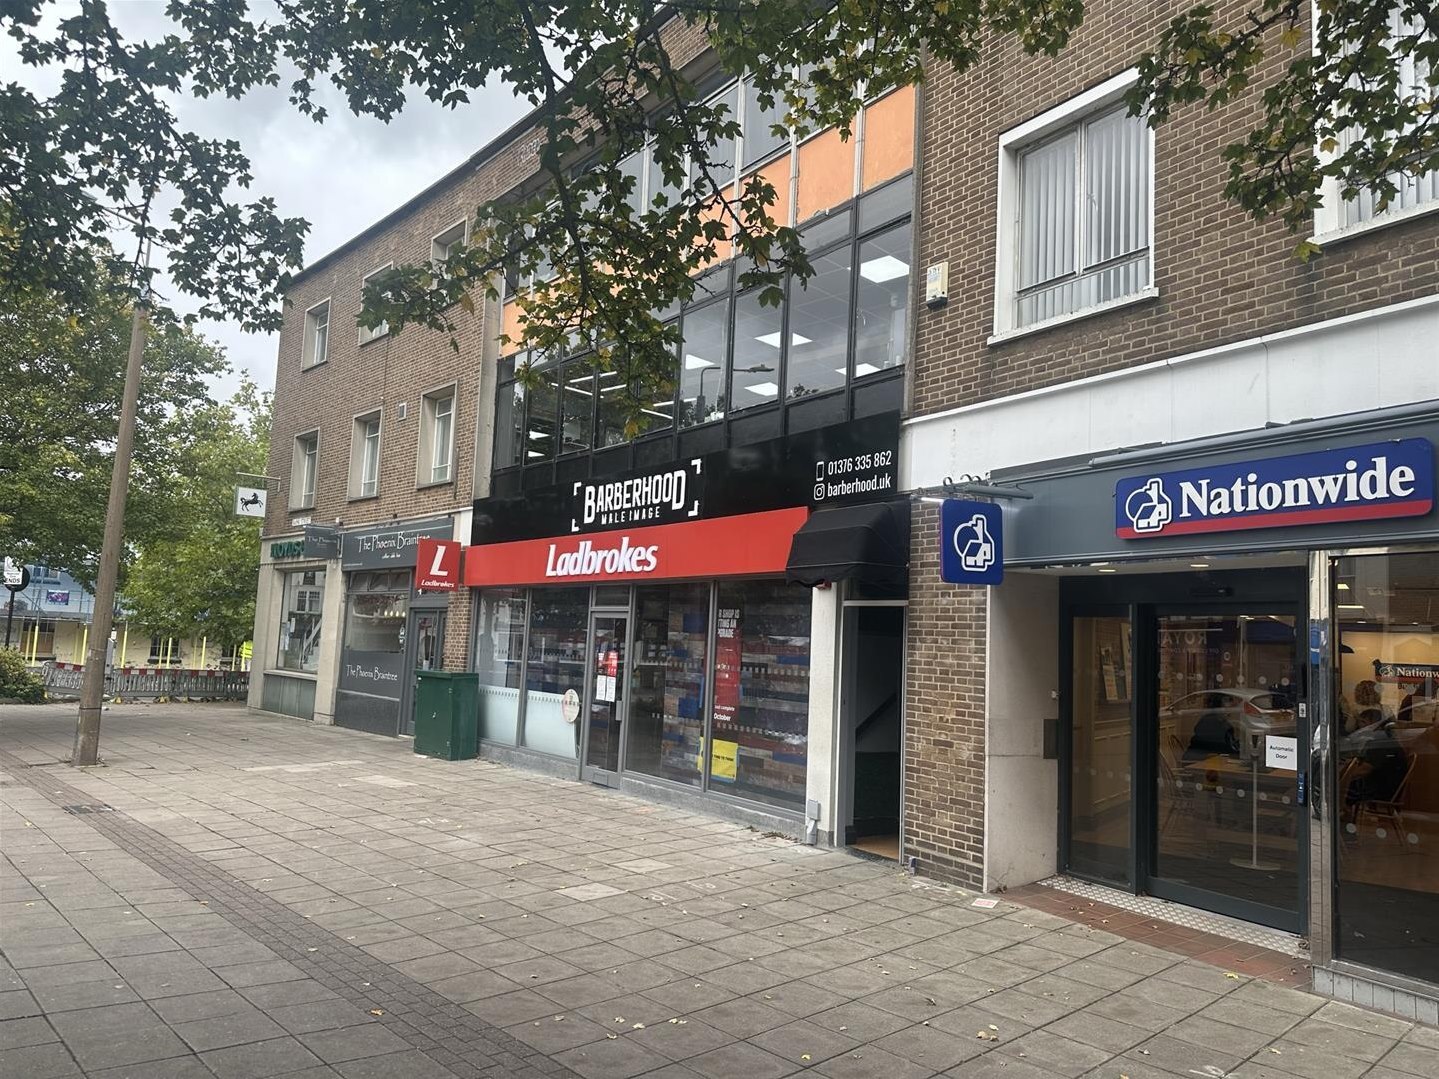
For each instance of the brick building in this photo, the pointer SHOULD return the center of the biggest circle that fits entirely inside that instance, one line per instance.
(1176, 691)
(1172, 692)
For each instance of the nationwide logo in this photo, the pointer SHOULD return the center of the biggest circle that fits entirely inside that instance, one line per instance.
(1389, 479)
(589, 560)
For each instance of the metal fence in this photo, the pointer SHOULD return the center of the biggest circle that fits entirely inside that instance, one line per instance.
(151, 683)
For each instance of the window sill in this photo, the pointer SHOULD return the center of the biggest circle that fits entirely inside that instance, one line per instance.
(282, 673)
(371, 340)
(1390, 218)
(308, 507)
(362, 498)
(434, 483)
(312, 366)
(1142, 296)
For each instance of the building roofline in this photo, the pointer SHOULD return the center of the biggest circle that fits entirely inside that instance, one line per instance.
(495, 146)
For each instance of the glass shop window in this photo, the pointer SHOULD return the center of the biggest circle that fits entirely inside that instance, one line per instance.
(559, 622)
(499, 661)
(760, 735)
(298, 648)
(666, 718)
(1386, 753)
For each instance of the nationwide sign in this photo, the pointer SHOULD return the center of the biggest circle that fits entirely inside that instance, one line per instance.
(1358, 483)
(744, 545)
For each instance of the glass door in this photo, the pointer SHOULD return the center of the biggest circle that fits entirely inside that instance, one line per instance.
(426, 637)
(1100, 790)
(1227, 827)
(606, 695)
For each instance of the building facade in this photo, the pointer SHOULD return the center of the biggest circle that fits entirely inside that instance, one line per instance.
(1208, 673)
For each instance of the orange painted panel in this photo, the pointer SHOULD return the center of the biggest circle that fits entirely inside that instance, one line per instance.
(826, 174)
(888, 137)
(722, 247)
(510, 324)
(776, 173)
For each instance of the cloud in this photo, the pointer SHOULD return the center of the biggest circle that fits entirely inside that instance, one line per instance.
(341, 176)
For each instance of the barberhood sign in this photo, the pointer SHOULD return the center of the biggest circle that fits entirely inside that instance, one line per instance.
(1386, 479)
(671, 494)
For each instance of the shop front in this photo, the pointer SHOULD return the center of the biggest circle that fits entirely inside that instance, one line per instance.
(390, 628)
(1245, 653)
(654, 631)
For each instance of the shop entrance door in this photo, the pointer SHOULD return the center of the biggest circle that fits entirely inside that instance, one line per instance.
(1219, 727)
(426, 650)
(605, 697)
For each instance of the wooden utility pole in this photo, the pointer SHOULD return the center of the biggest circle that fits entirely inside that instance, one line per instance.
(92, 685)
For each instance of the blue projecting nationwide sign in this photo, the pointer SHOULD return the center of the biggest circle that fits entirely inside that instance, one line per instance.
(1359, 483)
(971, 542)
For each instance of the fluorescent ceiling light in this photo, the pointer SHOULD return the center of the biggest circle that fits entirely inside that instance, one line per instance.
(764, 389)
(538, 434)
(773, 339)
(582, 393)
(884, 268)
(1344, 586)
(666, 404)
(694, 363)
(609, 374)
(652, 412)
(534, 453)
(1351, 606)
(1199, 565)
(611, 389)
(865, 369)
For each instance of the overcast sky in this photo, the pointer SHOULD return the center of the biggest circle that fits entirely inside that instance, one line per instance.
(340, 176)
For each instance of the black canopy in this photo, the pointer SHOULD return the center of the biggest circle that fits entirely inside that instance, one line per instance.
(868, 543)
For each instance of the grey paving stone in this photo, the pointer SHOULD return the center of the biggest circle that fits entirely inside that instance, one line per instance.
(209, 1005)
(743, 1017)
(38, 1062)
(1414, 1059)
(869, 1062)
(279, 994)
(259, 1060)
(507, 1009)
(1200, 1030)
(1054, 1053)
(17, 1004)
(617, 1059)
(740, 1059)
(18, 1033)
(117, 1035)
(551, 1034)
(410, 1064)
(1183, 1058)
(319, 1015)
(71, 973)
(860, 1021)
(335, 1046)
(236, 1028)
(1341, 1040)
(1241, 1013)
(680, 1038)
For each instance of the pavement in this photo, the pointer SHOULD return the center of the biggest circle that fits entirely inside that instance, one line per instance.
(242, 896)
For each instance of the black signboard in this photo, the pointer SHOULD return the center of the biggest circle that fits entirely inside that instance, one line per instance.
(375, 673)
(322, 541)
(856, 461)
(390, 545)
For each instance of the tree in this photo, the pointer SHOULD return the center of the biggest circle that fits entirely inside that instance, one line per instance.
(64, 357)
(200, 578)
(605, 76)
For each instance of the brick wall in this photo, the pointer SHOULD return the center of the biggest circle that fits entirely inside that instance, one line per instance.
(1221, 277)
(944, 716)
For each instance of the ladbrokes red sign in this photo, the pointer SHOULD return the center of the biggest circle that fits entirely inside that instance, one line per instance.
(748, 544)
(437, 565)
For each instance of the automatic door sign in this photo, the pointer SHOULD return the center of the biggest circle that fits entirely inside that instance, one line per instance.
(971, 542)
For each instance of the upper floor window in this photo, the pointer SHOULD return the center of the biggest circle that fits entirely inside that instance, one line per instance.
(367, 335)
(737, 357)
(437, 436)
(365, 457)
(447, 243)
(316, 348)
(1076, 195)
(1414, 194)
(304, 470)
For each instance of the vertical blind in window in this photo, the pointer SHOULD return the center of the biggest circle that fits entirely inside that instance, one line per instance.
(1412, 190)
(1083, 217)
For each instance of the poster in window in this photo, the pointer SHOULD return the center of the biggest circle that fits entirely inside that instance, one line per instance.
(728, 651)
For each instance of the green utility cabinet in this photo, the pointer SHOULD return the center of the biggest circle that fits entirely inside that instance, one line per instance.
(447, 718)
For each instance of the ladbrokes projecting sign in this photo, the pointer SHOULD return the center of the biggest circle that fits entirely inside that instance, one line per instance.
(1356, 483)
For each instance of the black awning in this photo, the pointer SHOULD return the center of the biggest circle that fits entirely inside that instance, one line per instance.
(868, 543)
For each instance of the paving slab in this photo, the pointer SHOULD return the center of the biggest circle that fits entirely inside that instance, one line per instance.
(274, 898)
